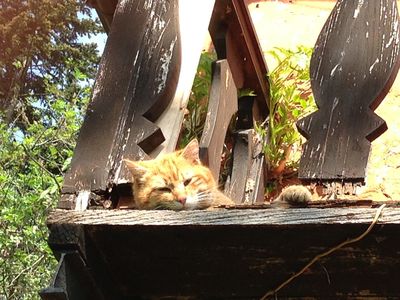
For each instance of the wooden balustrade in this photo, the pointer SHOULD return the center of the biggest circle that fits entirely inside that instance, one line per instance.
(138, 103)
(143, 86)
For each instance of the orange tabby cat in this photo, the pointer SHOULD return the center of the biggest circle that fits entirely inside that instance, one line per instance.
(178, 181)
(175, 181)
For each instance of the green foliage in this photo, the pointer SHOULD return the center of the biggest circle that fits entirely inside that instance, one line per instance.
(193, 123)
(40, 45)
(197, 107)
(45, 74)
(290, 99)
(31, 167)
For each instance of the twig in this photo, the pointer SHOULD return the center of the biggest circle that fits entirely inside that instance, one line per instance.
(26, 269)
(42, 167)
(319, 256)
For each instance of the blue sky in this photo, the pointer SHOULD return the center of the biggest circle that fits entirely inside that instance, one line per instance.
(99, 39)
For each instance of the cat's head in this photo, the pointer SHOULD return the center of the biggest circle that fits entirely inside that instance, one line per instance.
(173, 181)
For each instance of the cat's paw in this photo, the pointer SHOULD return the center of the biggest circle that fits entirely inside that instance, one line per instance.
(294, 195)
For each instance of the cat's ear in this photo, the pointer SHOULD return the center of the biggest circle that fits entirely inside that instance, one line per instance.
(136, 167)
(191, 152)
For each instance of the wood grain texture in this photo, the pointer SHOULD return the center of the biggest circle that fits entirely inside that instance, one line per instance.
(238, 254)
(135, 83)
(355, 62)
(222, 105)
(194, 17)
(281, 217)
(246, 183)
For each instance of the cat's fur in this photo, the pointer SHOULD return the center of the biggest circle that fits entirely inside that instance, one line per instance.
(178, 181)
(294, 195)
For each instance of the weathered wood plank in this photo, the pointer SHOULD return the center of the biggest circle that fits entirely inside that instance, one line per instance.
(355, 62)
(273, 216)
(222, 105)
(246, 183)
(238, 254)
(235, 186)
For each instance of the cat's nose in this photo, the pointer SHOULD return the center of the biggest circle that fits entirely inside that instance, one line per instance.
(182, 199)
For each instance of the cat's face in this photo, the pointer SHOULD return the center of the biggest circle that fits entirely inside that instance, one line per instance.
(173, 181)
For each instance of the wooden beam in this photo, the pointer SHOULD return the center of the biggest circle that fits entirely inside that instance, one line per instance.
(194, 17)
(136, 81)
(72, 280)
(279, 217)
(235, 39)
(238, 254)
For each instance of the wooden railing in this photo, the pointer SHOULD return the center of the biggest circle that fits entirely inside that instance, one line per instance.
(141, 90)
(143, 85)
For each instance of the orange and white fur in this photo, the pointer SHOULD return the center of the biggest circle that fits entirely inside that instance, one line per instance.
(178, 181)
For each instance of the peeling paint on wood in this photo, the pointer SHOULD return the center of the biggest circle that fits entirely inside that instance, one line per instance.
(136, 82)
(355, 62)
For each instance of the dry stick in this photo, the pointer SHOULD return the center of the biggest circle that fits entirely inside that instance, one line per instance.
(319, 256)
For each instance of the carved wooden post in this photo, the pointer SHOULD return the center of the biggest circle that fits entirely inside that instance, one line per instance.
(142, 88)
(222, 105)
(235, 40)
(355, 62)
(136, 81)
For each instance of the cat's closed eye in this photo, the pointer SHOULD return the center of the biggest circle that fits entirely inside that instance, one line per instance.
(164, 189)
(187, 181)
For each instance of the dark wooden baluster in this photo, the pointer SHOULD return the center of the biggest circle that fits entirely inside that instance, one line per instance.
(105, 10)
(246, 184)
(235, 39)
(73, 280)
(136, 81)
(355, 62)
(221, 107)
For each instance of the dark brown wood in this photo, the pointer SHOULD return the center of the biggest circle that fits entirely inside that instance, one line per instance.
(238, 254)
(355, 62)
(235, 39)
(105, 10)
(72, 280)
(255, 187)
(236, 184)
(246, 183)
(136, 81)
(222, 105)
